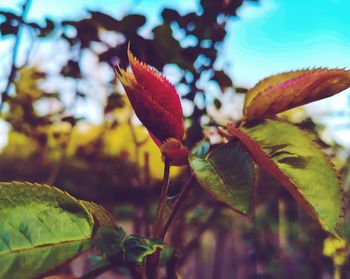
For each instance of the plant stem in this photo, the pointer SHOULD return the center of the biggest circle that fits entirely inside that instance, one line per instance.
(137, 273)
(183, 194)
(161, 227)
(152, 261)
(162, 200)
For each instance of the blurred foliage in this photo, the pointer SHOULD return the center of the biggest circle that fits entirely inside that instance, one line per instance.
(114, 163)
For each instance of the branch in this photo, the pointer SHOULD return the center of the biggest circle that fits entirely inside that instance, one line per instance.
(16, 45)
(183, 194)
(162, 202)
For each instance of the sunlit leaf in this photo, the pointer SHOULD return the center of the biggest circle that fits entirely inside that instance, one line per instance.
(41, 227)
(291, 89)
(288, 154)
(227, 173)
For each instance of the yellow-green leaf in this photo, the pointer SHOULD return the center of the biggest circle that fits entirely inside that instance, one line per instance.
(41, 227)
(227, 173)
(291, 89)
(288, 154)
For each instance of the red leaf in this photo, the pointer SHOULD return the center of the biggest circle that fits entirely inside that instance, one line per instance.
(159, 88)
(154, 100)
(291, 89)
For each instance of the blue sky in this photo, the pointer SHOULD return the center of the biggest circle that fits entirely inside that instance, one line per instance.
(284, 34)
(274, 36)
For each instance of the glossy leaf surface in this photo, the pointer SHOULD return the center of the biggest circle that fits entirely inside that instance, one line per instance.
(41, 227)
(227, 173)
(291, 89)
(288, 154)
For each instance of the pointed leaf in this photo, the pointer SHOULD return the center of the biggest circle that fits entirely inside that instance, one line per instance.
(157, 86)
(227, 173)
(159, 122)
(41, 227)
(291, 89)
(154, 100)
(101, 216)
(288, 154)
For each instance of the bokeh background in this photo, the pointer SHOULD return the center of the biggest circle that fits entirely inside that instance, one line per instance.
(65, 120)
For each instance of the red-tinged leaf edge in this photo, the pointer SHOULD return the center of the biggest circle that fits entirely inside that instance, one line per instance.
(261, 158)
(287, 90)
(157, 85)
(159, 122)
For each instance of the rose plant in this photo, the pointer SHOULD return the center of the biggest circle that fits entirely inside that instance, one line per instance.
(43, 227)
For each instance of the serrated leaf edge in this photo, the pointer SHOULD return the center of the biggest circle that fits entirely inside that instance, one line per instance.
(311, 71)
(250, 209)
(19, 183)
(262, 160)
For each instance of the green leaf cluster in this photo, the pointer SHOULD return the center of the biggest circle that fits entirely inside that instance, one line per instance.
(121, 249)
(41, 228)
(283, 150)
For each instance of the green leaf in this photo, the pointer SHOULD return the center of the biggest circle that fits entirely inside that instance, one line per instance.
(121, 249)
(110, 242)
(138, 248)
(288, 154)
(41, 227)
(102, 217)
(227, 173)
(291, 89)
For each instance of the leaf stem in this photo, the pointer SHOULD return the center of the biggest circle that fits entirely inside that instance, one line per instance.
(165, 185)
(162, 228)
(162, 199)
(183, 194)
(152, 261)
